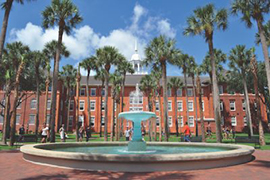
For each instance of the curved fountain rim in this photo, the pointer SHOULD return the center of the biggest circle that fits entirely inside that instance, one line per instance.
(137, 112)
(240, 150)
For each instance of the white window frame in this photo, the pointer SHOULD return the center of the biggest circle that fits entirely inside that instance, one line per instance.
(103, 90)
(233, 105)
(170, 121)
(191, 124)
(92, 101)
(189, 92)
(18, 119)
(181, 121)
(49, 102)
(181, 109)
(244, 105)
(92, 122)
(245, 121)
(169, 92)
(47, 119)
(203, 106)
(70, 120)
(80, 105)
(170, 102)
(221, 105)
(157, 120)
(33, 100)
(190, 110)
(103, 105)
(103, 121)
(29, 119)
(179, 92)
(235, 121)
(95, 94)
(157, 106)
(82, 89)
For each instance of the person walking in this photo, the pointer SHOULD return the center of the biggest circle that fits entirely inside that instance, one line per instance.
(127, 134)
(187, 133)
(87, 133)
(62, 133)
(21, 133)
(44, 133)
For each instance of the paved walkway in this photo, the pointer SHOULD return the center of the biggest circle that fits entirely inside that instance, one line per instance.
(12, 166)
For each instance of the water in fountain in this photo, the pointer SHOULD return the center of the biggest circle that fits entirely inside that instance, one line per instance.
(137, 116)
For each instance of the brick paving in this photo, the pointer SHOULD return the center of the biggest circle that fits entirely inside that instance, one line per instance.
(12, 166)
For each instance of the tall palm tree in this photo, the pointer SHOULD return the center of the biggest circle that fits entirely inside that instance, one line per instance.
(39, 61)
(6, 5)
(184, 61)
(68, 75)
(240, 62)
(17, 53)
(159, 52)
(106, 57)
(47, 84)
(255, 10)
(175, 84)
(66, 15)
(78, 80)
(89, 64)
(101, 76)
(204, 21)
(266, 29)
(254, 69)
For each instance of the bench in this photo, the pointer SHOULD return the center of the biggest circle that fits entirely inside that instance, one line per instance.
(253, 139)
(192, 138)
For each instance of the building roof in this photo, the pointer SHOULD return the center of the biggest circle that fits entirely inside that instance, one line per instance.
(132, 80)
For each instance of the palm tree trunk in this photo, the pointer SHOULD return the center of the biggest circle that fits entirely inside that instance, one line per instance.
(195, 104)
(113, 113)
(117, 135)
(4, 26)
(15, 102)
(199, 91)
(46, 98)
(187, 111)
(165, 98)
(154, 119)
(106, 106)
(101, 98)
(77, 103)
(6, 117)
(216, 100)
(88, 102)
(248, 114)
(160, 116)
(68, 106)
(265, 51)
(54, 84)
(175, 111)
(123, 93)
(38, 96)
(149, 120)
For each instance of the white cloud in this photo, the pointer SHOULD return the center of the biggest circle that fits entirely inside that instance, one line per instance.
(164, 27)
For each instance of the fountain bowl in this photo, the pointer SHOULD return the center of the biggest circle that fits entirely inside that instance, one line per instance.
(45, 154)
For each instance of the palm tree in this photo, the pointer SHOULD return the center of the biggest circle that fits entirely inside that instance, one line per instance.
(7, 5)
(66, 15)
(198, 72)
(254, 69)
(205, 20)
(17, 53)
(39, 60)
(240, 62)
(68, 75)
(106, 57)
(147, 85)
(175, 84)
(183, 61)
(89, 64)
(266, 29)
(47, 84)
(78, 80)
(159, 52)
(101, 76)
(255, 9)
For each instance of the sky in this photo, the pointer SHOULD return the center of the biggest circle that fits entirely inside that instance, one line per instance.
(120, 22)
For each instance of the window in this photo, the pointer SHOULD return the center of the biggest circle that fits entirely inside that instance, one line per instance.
(222, 120)
(169, 106)
(157, 106)
(92, 121)
(233, 121)
(81, 105)
(191, 121)
(203, 105)
(170, 121)
(49, 102)
(18, 118)
(47, 119)
(255, 106)
(232, 105)
(19, 106)
(70, 121)
(82, 92)
(102, 121)
(245, 121)
(115, 106)
(1, 119)
(133, 99)
(33, 104)
(135, 108)
(180, 106)
(50, 88)
(157, 121)
(103, 106)
(179, 92)
(93, 91)
(190, 92)
(181, 121)
(93, 105)
(244, 105)
(71, 107)
(221, 105)
(103, 92)
(220, 89)
(31, 120)
(190, 105)
(169, 92)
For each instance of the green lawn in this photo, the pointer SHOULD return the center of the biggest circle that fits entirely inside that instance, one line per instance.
(173, 138)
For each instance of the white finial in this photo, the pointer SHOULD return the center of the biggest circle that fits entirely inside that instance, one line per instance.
(136, 46)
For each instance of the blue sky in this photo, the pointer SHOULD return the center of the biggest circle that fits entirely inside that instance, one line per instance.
(120, 22)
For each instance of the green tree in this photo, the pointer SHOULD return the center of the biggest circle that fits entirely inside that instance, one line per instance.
(240, 62)
(175, 84)
(89, 64)
(255, 10)
(65, 15)
(266, 29)
(159, 52)
(204, 21)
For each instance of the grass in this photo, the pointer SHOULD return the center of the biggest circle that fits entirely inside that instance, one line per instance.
(173, 138)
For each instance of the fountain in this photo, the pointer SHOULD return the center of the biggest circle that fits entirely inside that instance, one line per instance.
(136, 116)
(137, 155)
